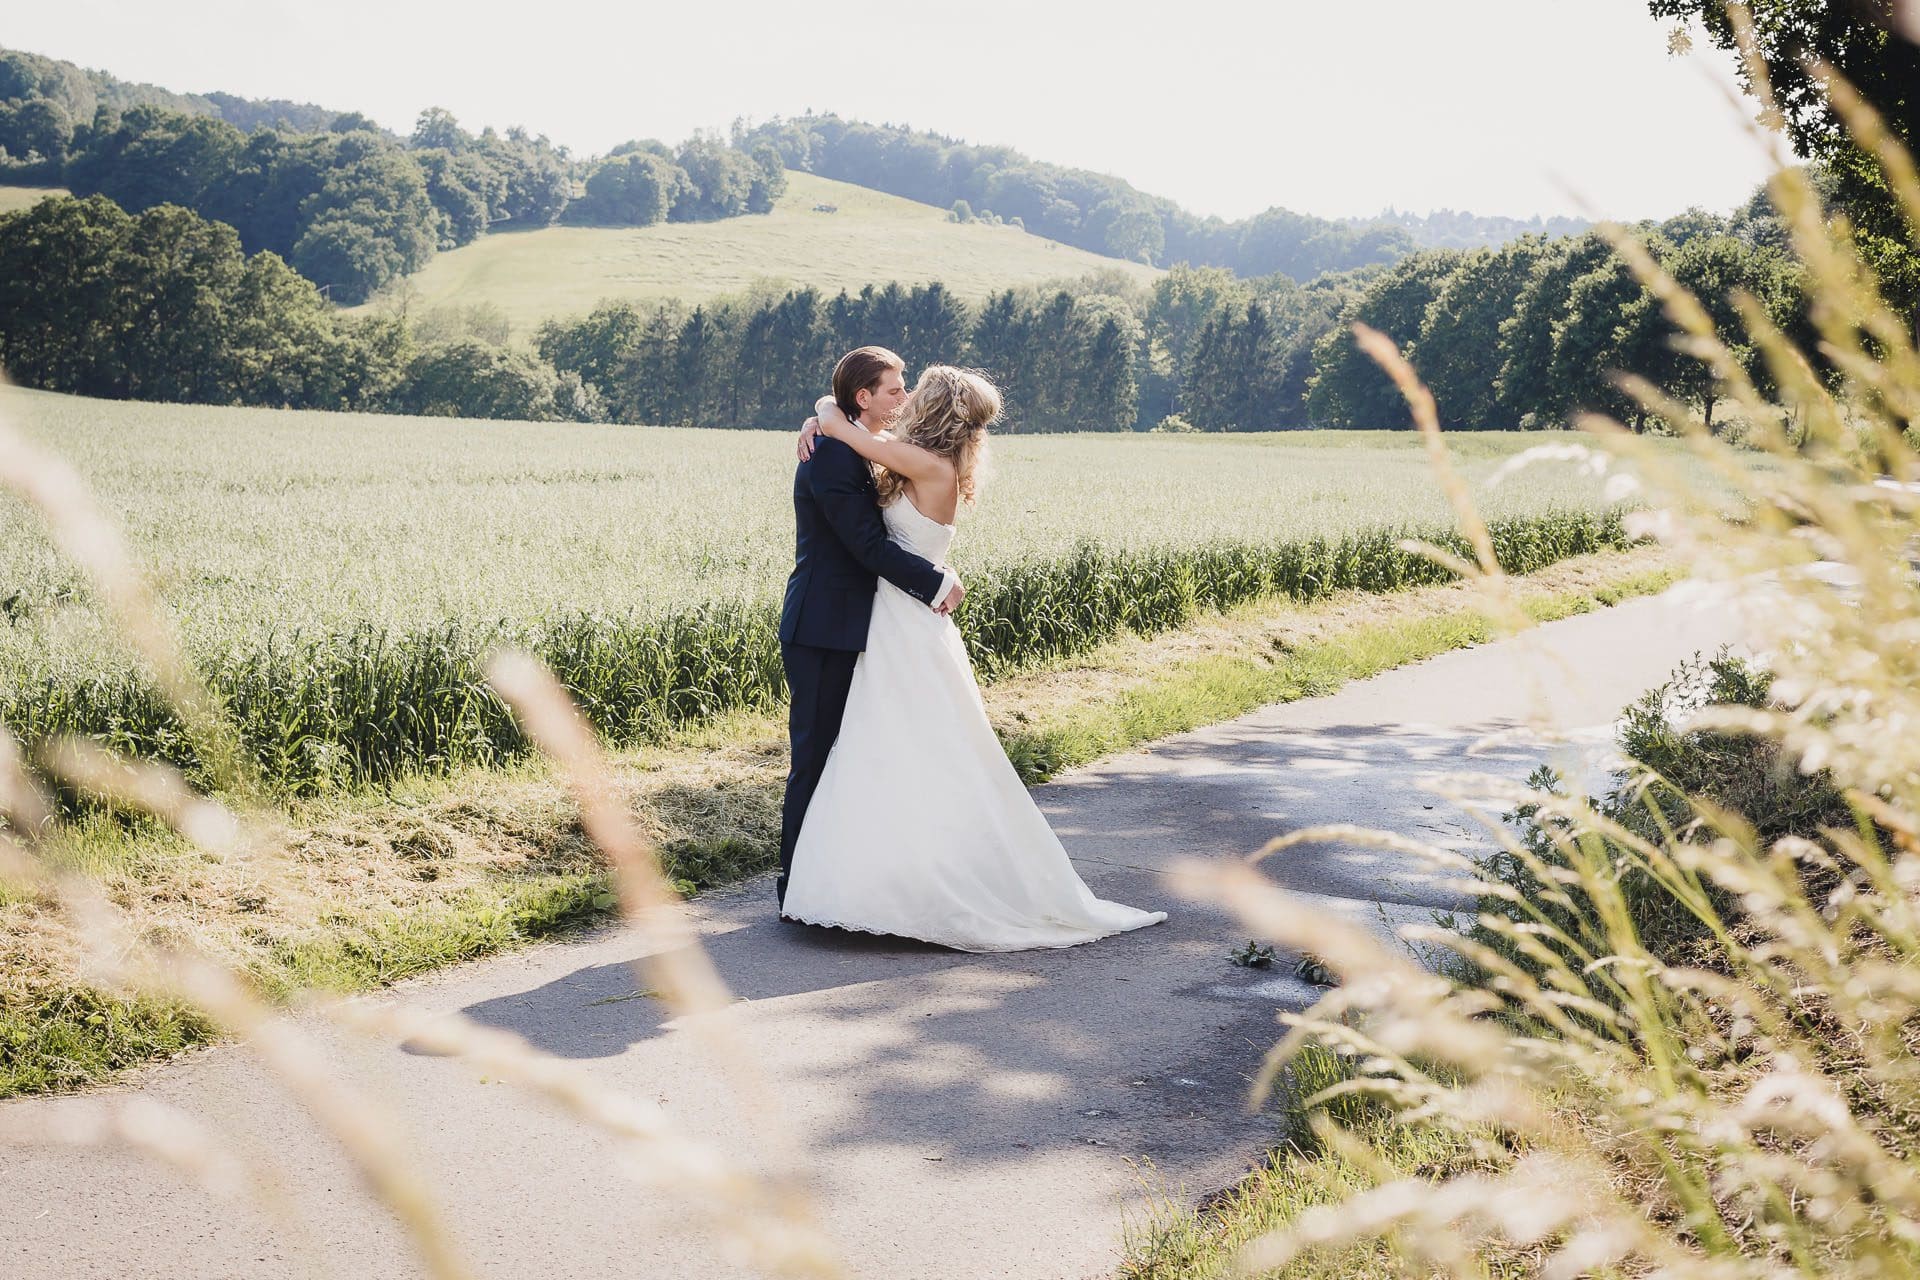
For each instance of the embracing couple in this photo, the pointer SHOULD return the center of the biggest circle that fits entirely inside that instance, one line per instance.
(903, 815)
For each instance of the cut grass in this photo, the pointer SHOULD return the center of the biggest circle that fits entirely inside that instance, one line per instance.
(871, 238)
(433, 871)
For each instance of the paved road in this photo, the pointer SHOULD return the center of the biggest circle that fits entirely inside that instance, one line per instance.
(971, 1116)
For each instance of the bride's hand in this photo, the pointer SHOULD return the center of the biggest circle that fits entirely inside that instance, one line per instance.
(808, 430)
(832, 421)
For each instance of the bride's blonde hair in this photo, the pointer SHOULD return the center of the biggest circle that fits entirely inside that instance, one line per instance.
(947, 414)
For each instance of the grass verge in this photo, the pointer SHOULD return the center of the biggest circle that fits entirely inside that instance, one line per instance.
(1333, 1148)
(384, 885)
(1181, 1243)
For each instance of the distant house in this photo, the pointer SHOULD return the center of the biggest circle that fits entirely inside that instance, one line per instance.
(826, 208)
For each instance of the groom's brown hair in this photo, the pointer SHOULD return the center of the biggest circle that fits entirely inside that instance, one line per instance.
(860, 370)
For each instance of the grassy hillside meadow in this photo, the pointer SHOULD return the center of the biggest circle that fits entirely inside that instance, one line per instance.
(871, 239)
(12, 198)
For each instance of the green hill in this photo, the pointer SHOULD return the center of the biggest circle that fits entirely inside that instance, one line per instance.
(12, 198)
(871, 238)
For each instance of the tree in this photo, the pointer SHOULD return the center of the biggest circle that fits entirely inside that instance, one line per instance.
(1608, 327)
(463, 190)
(1105, 397)
(1183, 300)
(60, 299)
(935, 331)
(769, 179)
(1692, 223)
(1208, 392)
(157, 157)
(370, 221)
(283, 345)
(1347, 388)
(265, 195)
(1000, 345)
(346, 258)
(645, 389)
(720, 180)
(1861, 40)
(797, 354)
(472, 379)
(1712, 268)
(887, 322)
(178, 274)
(1458, 347)
(167, 306)
(38, 127)
(536, 184)
(1301, 317)
(1128, 229)
(595, 346)
(1238, 373)
(632, 190)
(355, 122)
(437, 128)
(695, 388)
(1051, 362)
(1523, 389)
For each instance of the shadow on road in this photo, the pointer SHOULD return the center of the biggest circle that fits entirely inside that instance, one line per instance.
(1147, 1039)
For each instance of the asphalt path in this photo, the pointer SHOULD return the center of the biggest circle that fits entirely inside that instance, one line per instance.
(966, 1116)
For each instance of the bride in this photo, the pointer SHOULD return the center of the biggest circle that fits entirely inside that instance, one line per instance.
(920, 827)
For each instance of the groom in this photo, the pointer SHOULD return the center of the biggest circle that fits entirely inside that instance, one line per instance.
(841, 549)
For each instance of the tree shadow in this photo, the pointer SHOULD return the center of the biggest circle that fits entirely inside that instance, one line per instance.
(1146, 1040)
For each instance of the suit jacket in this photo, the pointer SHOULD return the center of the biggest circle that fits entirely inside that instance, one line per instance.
(841, 549)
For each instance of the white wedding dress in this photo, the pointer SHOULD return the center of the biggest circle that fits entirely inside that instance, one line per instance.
(920, 827)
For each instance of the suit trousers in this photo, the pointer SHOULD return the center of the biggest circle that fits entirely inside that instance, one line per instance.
(817, 681)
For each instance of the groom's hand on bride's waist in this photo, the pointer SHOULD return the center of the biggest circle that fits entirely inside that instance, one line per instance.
(951, 600)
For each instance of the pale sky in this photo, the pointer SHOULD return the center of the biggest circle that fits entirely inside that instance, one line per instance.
(1515, 107)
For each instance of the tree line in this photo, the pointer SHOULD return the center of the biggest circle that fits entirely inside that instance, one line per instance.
(349, 205)
(1064, 360)
(1522, 336)
(42, 100)
(1528, 334)
(167, 305)
(1093, 211)
(1458, 229)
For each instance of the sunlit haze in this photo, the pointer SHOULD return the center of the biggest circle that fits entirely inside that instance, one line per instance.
(1508, 107)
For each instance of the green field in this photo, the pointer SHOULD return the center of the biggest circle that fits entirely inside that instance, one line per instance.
(12, 198)
(871, 239)
(255, 519)
(340, 577)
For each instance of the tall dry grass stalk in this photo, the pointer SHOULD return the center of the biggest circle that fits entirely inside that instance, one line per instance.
(760, 1219)
(1750, 1108)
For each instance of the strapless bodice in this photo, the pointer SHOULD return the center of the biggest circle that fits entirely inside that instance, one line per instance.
(920, 534)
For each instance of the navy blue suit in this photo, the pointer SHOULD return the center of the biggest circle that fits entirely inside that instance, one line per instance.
(841, 549)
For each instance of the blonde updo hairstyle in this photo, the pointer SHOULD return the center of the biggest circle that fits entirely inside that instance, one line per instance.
(947, 414)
